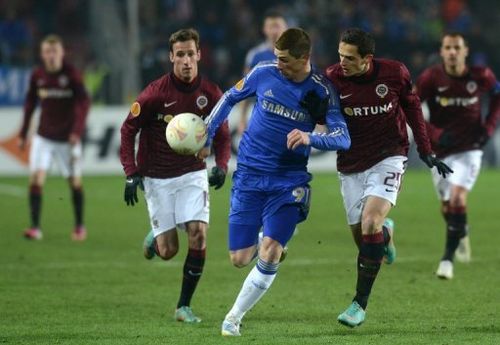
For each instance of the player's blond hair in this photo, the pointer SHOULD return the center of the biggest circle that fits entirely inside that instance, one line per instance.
(296, 41)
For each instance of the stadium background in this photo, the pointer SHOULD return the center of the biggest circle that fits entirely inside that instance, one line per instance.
(102, 291)
(123, 45)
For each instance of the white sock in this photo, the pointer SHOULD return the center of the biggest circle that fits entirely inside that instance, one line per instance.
(255, 286)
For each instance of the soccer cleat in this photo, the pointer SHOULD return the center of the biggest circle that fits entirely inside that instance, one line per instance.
(185, 314)
(353, 316)
(230, 328)
(445, 270)
(463, 252)
(389, 248)
(149, 246)
(79, 234)
(284, 253)
(33, 234)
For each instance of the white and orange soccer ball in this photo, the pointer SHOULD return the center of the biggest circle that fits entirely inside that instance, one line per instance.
(186, 133)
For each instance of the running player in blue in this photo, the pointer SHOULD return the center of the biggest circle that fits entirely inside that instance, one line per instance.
(270, 184)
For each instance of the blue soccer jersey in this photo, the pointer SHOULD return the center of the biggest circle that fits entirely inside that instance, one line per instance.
(277, 111)
(260, 53)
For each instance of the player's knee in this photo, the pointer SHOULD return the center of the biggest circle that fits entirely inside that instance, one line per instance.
(167, 253)
(197, 239)
(371, 223)
(75, 182)
(270, 250)
(37, 178)
(458, 201)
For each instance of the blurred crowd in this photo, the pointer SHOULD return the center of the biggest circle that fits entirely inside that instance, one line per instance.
(405, 30)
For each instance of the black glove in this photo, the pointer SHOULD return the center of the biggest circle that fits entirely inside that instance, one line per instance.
(432, 161)
(217, 177)
(483, 137)
(131, 184)
(445, 140)
(315, 106)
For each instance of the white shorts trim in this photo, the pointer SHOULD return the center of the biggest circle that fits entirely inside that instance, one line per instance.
(465, 165)
(382, 180)
(68, 157)
(172, 202)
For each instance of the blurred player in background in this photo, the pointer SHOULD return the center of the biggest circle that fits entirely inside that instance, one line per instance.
(376, 99)
(175, 186)
(273, 25)
(271, 183)
(57, 86)
(458, 133)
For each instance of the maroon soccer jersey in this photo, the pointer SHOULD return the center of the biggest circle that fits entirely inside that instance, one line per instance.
(376, 107)
(63, 100)
(154, 108)
(455, 106)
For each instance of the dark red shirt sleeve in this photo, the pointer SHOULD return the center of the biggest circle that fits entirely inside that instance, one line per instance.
(413, 111)
(425, 89)
(222, 146)
(494, 107)
(135, 120)
(29, 106)
(82, 103)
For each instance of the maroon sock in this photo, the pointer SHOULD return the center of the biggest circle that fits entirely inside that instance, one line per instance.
(193, 268)
(77, 196)
(370, 257)
(456, 228)
(35, 197)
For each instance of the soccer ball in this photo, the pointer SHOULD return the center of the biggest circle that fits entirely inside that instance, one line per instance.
(186, 133)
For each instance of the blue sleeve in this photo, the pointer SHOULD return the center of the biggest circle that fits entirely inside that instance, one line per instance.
(245, 88)
(337, 137)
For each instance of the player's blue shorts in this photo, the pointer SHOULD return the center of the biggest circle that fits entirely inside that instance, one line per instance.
(263, 201)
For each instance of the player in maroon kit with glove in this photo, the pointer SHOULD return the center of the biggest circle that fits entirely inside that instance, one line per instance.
(377, 101)
(458, 133)
(57, 86)
(175, 186)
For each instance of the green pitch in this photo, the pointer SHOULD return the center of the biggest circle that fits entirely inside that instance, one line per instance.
(103, 291)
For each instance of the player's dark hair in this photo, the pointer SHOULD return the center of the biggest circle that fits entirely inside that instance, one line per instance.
(52, 39)
(184, 35)
(455, 34)
(272, 13)
(296, 41)
(359, 38)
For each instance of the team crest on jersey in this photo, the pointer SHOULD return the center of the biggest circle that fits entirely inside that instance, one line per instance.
(202, 101)
(239, 85)
(381, 90)
(167, 118)
(471, 86)
(63, 81)
(135, 109)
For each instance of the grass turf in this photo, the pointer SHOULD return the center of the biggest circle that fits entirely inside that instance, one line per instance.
(103, 292)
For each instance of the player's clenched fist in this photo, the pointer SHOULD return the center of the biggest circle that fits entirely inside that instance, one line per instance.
(296, 138)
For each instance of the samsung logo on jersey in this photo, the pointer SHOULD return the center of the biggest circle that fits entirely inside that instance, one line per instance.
(456, 101)
(371, 110)
(280, 110)
(54, 93)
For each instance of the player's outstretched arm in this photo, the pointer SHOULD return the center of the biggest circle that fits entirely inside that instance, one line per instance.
(222, 150)
(490, 123)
